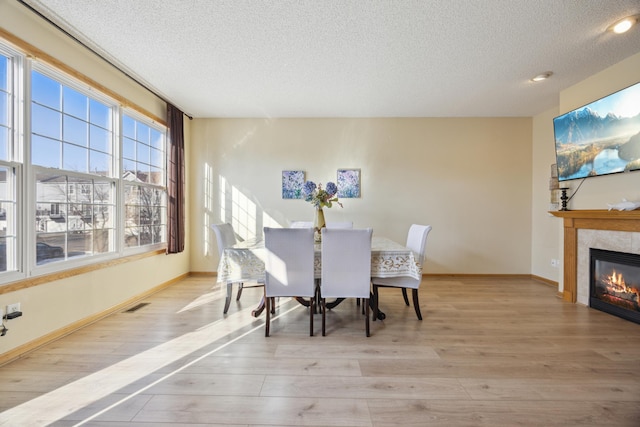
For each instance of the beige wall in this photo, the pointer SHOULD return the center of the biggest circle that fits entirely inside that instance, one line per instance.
(53, 306)
(545, 240)
(596, 192)
(470, 178)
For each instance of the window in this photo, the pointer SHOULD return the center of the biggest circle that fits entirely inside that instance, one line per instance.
(69, 130)
(8, 238)
(144, 176)
(96, 172)
(72, 146)
(9, 63)
(6, 104)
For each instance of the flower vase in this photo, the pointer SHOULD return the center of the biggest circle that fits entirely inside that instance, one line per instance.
(318, 225)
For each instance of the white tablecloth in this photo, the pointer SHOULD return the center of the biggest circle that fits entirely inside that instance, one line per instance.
(244, 261)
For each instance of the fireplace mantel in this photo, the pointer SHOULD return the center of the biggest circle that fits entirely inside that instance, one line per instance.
(591, 219)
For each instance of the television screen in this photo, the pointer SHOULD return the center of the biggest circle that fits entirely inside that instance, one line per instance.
(600, 138)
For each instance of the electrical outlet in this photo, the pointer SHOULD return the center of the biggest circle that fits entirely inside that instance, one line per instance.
(12, 308)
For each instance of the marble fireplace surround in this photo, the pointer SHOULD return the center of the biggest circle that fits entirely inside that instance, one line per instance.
(601, 229)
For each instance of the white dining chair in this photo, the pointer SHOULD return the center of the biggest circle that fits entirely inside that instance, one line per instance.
(330, 224)
(417, 242)
(301, 224)
(338, 224)
(288, 266)
(226, 238)
(346, 268)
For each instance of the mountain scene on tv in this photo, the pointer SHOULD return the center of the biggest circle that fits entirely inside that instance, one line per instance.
(591, 142)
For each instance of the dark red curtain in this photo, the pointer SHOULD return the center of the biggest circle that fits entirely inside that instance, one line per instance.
(175, 181)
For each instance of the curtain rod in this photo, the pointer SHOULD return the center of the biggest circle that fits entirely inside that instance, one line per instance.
(74, 38)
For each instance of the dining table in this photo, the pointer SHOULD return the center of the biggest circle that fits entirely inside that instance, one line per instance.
(244, 262)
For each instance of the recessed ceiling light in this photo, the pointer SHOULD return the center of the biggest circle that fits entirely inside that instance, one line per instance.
(624, 25)
(542, 76)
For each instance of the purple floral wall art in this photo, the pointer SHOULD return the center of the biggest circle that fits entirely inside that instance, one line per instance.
(292, 182)
(349, 183)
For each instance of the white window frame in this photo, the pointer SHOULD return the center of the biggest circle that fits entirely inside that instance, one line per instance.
(30, 232)
(25, 174)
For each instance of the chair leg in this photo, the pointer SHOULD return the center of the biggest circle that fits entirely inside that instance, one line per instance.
(267, 322)
(366, 317)
(416, 303)
(324, 316)
(404, 295)
(317, 308)
(375, 303)
(311, 303)
(240, 286)
(227, 301)
(273, 305)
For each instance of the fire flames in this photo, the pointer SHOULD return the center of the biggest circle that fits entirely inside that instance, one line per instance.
(617, 292)
(616, 281)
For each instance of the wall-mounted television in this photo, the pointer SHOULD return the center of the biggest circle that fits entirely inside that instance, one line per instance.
(599, 138)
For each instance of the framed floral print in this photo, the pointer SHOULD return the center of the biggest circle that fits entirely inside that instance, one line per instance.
(292, 182)
(348, 183)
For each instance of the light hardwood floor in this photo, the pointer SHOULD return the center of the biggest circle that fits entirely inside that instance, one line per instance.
(489, 352)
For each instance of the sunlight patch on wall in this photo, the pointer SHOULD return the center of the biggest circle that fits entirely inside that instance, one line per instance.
(238, 210)
(268, 221)
(243, 215)
(222, 185)
(208, 217)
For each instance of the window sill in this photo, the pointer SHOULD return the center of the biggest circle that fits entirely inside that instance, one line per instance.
(46, 278)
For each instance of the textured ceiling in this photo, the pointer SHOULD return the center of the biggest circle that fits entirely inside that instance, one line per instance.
(353, 58)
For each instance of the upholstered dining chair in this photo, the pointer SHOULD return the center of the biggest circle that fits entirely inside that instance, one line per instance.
(226, 237)
(346, 268)
(330, 224)
(417, 242)
(338, 224)
(288, 268)
(301, 224)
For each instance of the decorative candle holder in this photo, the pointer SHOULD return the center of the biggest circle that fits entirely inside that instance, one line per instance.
(564, 198)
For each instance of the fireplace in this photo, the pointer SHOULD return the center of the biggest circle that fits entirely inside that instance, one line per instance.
(615, 283)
